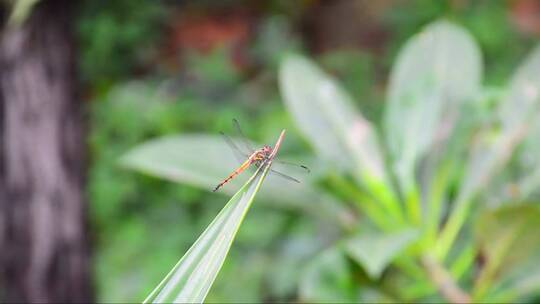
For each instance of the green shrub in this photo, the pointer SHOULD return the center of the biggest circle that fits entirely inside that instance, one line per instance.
(416, 204)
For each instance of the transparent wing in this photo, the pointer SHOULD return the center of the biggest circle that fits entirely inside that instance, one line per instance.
(304, 168)
(277, 173)
(243, 137)
(238, 154)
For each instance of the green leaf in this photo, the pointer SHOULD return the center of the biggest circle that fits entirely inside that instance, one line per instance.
(204, 160)
(438, 70)
(191, 278)
(506, 237)
(523, 179)
(327, 279)
(324, 112)
(521, 282)
(520, 107)
(528, 181)
(517, 113)
(523, 99)
(375, 251)
(198, 160)
(493, 148)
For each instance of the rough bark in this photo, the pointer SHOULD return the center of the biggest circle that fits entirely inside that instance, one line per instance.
(44, 252)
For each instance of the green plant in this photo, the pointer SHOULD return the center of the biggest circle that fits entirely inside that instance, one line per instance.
(191, 278)
(434, 192)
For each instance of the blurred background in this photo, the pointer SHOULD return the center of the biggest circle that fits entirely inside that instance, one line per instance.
(106, 76)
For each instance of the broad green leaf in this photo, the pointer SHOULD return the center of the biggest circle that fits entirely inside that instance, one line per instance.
(519, 285)
(205, 160)
(529, 177)
(324, 112)
(493, 148)
(375, 251)
(327, 279)
(506, 237)
(522, 181)
(523, 99)
(517, 112)
(191, 278)
(438, 70)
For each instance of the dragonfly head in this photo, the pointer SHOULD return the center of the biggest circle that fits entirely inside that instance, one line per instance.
(267, 150)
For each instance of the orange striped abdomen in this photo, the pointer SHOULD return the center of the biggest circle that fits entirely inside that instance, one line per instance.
(235, 173)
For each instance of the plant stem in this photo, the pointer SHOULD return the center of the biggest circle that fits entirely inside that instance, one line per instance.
(444, 282)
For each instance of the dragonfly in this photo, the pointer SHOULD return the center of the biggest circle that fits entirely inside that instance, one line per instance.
(249, 156)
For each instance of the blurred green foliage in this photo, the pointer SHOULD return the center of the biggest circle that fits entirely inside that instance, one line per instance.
(142, 225)
(488, 21)
(117, 38)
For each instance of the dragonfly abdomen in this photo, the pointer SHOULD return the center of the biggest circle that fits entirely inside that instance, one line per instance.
(235, 173)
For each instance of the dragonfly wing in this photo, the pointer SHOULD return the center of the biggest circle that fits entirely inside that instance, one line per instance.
(305, 168)
(284, 176)
(245, 141)
(238, 154)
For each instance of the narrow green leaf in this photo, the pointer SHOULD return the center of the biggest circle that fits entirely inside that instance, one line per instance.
(191, 278)
(324, 112)
(375, 251)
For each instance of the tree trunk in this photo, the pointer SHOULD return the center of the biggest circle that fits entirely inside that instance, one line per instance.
(43, 238)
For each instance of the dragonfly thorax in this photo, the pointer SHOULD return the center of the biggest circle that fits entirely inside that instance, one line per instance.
(262, 154)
